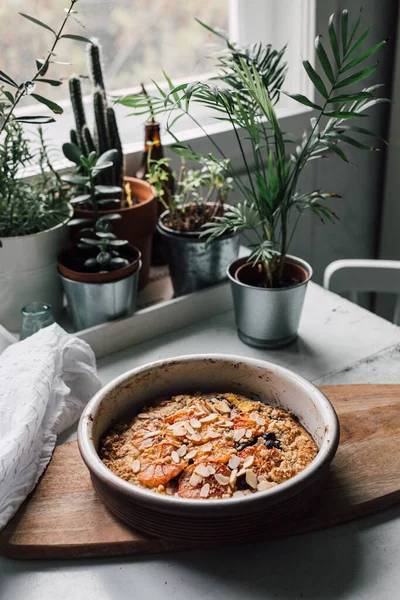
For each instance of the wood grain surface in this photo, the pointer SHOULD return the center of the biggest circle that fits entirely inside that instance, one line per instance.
(64, 518)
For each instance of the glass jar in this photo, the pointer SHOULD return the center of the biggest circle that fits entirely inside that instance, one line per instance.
(35, 316)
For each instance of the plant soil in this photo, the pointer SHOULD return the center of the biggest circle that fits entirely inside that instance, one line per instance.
(192, 217)
(293, 274)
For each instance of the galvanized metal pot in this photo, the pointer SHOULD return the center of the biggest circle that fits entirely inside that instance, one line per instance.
(95, 298)
(192, 266)
(268, 317)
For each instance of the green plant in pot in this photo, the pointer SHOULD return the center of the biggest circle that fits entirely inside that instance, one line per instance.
(34, 212)
(136, 203)
(269, 286)
(199, 198)
(99, 271)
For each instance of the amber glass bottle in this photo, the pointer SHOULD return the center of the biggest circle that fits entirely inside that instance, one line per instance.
(152, 143)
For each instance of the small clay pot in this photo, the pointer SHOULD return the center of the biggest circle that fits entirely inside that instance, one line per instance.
(137, 224)
(68, 265)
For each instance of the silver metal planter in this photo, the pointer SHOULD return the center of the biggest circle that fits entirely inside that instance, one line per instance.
(192, 266)
(94, 303)
(267, 318)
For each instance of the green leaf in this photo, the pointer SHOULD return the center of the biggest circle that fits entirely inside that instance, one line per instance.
(356, 77)
(364, 56)
(72, 152)
(344, 21)
(80, 199)
(98, 168)
(354, 143)
(90, 242)
(343, 114)
(90, 263)
(105, 235)
(37, 22)
(119, 262)
(42, 66)
(182, 150)
(76, 222)
(77, 38)
(315, 78)
(108, 189)
(106, 201)
(363, 131)
(359, 42)
(112, 217)
(342, 99)
(75, 179)
(333, 40)
(6, 79)
(49, 103)
(355, 29)
(323, 59)
(172, 90)
(338, 151)
(303, 100)
(118, 243)
(53, 82)
(39, 120)
(9, 96)
(109, 155)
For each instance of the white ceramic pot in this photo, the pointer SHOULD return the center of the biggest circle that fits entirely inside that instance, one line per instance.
(28, 273)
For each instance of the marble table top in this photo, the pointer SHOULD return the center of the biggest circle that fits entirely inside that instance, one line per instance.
(339, 342)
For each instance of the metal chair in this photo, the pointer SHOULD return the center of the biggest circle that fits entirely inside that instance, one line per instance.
(359, 275)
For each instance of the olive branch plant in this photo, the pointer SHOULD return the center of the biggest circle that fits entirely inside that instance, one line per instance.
(247, 88)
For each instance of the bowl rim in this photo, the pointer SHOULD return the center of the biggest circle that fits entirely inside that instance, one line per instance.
(163, 503)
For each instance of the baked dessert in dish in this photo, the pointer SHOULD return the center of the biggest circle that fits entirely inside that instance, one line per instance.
(208, 446)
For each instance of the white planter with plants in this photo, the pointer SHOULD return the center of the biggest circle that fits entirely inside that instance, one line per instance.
(269, 286)
(33, 215)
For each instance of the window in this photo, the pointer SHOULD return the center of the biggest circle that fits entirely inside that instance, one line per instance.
(142, 37)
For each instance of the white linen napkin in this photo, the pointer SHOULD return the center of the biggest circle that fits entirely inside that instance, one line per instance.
(45, 382)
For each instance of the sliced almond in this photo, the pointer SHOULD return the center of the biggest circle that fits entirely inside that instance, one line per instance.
(147, 443)
(136, 466)
(248, 462)
(179, 431)
(234, 462)
(260, 421)
(225, 423)
(251, 479)
(142, 416)
(202, 470)
(209, 418)
(195, 437)
(195, 423)
(264, 485)
(195, 480)
(233, 477)
(213, 434)
(222, 407)
(191, 454)
(152, 434)
(211, 470)
(221, 479)
(189, 428)
(238, 494)
(175, 457)
(238, 434)
(207, 447)
(205, 490)
(182, 450)
(254, 416)
(249, 433)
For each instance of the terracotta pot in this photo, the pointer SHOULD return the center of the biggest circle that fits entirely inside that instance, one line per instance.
(137, 224)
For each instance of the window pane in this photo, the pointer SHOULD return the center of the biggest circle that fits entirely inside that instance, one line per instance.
(139, 38)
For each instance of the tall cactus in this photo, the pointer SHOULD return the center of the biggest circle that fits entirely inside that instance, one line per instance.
(106, 135)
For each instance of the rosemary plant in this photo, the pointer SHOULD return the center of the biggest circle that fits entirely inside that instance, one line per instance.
(249, 84)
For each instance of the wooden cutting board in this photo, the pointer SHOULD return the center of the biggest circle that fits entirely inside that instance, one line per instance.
(64, 518)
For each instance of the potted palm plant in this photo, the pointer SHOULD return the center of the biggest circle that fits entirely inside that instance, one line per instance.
(269, 285)
(33, 214)
(136, 203)
(100, 271)
(200, 198)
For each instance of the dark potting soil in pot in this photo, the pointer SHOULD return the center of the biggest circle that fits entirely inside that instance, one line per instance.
(293, 274)
(193, 217)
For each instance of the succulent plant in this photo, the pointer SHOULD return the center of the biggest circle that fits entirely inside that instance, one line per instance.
(106, 135)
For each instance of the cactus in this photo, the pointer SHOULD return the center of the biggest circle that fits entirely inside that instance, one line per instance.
(106, 134)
